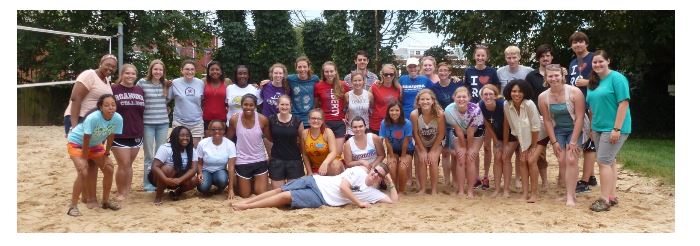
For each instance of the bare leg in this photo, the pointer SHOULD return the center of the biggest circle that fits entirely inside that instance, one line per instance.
(533, 172)
(340, 143)
(244, 187)
(434, 175)
(571, 176)
(522, 165)
(160, 185)
(606, 180)
(446, 166)
(260, 183)
(81, 167)
(404, 171)
(123, 157)
(259, 197)
(276, 200)
(459, 171)
(487, 155)
(277, 183)
(508, 150)
(90, 187)
(542, 166)
(421, 172)
(107, 169)
(498, 172)
(613, 187)
(518, 182)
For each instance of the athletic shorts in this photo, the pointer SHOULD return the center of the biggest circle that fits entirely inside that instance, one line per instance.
(607, 151)
(127, 143)
(286, 169)
(248, 171)
(338, 127)
(95, 152)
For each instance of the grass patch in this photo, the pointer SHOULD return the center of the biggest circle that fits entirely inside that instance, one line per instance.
(652, 157)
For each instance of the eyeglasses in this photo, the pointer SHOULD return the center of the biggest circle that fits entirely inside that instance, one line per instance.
(315, 118)
(378, 173)
(553, 66)
(216, 129)
(388, 75)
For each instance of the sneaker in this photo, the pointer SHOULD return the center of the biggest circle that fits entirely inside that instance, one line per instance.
(477, 184)
(582, 186)
(485, 183)
(592, 181)
(600, 205)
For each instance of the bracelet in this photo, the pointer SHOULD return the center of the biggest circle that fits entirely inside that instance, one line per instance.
(554, 142)
(391, 186)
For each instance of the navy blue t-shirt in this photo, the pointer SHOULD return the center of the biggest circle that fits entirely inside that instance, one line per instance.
(584, 70)
(444, 94)
(475, 79)
(495, 117)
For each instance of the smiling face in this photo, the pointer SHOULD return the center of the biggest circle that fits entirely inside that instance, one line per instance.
(444, 72)
(157, 71)
(480, 57)
(412, 70)
(184, 137)
(315, 119)
(601, 65)
(358, 127)
(284, 105)
(248, 105)
(277, 74)
(462, 98)
(107, 67)
(425, 101)
(375, 176)
(215, 71)
(358, 82)
(242, 76)
(516, 94)
(361, 62)
(128, 75)
(546, 59)
(488, 96)
(217, 129)
(579, 46)
(395, 113)
(188, 71)
(554, 77)
(513, 60)
(302, 68)
(428, 67)
(329, 72)
(388, 74)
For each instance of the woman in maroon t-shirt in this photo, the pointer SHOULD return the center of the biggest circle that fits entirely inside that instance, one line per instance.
(328, 94)
(130, 105)
(214, 100)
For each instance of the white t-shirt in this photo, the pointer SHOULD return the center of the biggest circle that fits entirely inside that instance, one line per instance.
(165, 155)
(215, 157)
(505, 75)
(234, 95)
(330, 187)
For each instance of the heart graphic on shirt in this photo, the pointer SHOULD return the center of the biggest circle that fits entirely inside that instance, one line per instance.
(484, 79)
(582, 67)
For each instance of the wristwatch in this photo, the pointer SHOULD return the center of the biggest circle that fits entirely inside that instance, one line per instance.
(616, 129)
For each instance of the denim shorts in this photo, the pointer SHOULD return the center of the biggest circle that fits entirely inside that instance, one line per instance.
(605, 150)
(305, 193)
(564, 137)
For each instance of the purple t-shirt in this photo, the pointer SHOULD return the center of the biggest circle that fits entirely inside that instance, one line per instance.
(130, 105)
(269, 95)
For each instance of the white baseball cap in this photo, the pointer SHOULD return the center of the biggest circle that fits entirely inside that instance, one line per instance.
(412, 61)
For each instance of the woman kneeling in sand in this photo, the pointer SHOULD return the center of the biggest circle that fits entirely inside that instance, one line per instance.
(172, 165)
(356, 185)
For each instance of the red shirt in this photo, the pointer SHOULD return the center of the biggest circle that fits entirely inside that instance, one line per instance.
(333, 107)
(214, 102)
(382, 96)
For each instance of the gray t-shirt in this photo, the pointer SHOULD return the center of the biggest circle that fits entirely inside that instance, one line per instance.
(188, 100)
(505, 75)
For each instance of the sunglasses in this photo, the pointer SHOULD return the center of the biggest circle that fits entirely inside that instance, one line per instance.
(377, 172)
(388, 75)
(553, 66)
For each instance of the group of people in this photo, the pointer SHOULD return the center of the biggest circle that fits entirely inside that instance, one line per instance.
(326, 141)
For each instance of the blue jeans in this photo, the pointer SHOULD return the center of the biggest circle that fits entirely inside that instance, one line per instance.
(218, 179)
(154, 135)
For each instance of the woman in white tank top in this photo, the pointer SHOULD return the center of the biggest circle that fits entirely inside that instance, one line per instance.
(362, 148)
(358, 100)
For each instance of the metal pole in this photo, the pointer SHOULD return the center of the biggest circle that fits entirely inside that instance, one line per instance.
(120, 54)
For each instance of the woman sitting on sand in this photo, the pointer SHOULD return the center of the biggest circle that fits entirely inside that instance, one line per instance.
(98, 126)
(173, 166)
(217, 157)
(318, 146)
(362, 149)
(356, 185)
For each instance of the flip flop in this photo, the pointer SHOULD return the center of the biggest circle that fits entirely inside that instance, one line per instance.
(74, 212)
(111, 205)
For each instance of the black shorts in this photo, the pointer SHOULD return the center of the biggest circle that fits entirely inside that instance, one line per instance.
(248, 171)
(127, 143)
(338, 128)
(480, 131)
(286, 169)
(588, 146)
(544, 141)
(398, 152)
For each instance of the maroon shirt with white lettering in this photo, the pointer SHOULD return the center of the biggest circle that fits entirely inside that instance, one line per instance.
(130, 105)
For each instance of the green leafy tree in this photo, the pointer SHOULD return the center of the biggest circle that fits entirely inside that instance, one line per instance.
(317, 46)
(337, 32)
(274, 42)
(437, 52)
(238, 42)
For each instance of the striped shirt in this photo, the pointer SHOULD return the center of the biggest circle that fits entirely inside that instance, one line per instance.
(156, 111)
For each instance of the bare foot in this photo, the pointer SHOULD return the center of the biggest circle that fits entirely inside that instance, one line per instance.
(544, 187)
(470, 195)
(92, 204)
(120, 198)
(459, 193)
(532, 199)
(158, 202)
(506, 194)
(239, 207)
(495, 193)
(421, 192)
(570, 203)
(524, 197)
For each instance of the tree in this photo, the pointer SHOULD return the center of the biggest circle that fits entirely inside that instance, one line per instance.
(337, 32)
(437, 52)
(317, 46)
(641, 44)
(238, 42)
(274, 42)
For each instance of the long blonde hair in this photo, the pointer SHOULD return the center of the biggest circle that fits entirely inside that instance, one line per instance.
(394, 80)
(121, 72)
(433, 109)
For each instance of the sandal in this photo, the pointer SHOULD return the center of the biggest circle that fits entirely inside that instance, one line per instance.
(174, 195)
(113, 205)
(613, 201)
(74, 212)
(600, 205)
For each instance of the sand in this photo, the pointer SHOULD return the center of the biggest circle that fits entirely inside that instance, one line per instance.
(45, 176)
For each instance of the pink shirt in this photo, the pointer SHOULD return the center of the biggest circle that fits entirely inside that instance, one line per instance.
(96, 88)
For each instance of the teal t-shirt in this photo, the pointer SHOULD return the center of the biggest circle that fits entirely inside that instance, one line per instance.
(604, 100)
(97, 127)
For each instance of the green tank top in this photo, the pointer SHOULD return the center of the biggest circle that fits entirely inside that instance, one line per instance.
(561, 116)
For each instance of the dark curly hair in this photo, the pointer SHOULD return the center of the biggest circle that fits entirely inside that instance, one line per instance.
(177, 150)
(524, 87)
